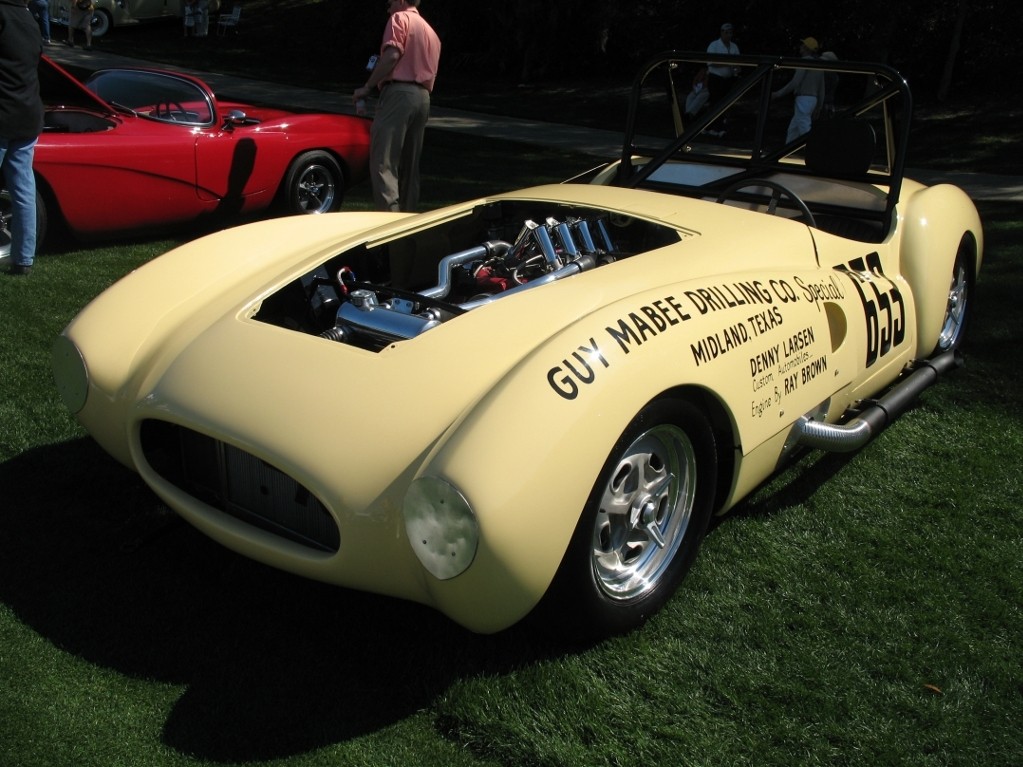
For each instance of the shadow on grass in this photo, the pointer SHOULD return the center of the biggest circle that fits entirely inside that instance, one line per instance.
(793, 485)
(273, 665)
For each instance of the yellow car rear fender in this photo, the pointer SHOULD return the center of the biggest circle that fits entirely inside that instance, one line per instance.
(937, 223)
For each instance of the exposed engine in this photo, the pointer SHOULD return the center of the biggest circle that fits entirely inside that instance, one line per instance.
(372, 297)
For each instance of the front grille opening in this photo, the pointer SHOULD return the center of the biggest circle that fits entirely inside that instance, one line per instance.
(239, 484)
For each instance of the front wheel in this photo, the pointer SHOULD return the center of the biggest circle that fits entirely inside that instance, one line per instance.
(314, 184)
(643, 522)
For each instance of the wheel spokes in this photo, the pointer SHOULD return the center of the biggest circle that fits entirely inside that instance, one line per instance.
(315, 191)
(644, 512)
(955, 310)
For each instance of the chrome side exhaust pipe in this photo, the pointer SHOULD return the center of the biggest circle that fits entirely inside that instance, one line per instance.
(880, 413)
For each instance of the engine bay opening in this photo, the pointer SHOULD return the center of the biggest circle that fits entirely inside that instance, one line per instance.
(375, 296)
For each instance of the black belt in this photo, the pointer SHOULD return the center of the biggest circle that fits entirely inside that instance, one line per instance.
(403, 82)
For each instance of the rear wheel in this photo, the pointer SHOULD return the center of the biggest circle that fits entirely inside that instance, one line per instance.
(314, 184)
(957, 309)
(642, 525)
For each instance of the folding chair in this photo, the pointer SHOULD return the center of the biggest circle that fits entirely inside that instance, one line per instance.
(230, 20)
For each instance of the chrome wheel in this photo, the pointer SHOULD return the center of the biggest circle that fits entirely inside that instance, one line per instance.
(644, 512)
(314, 184)
(956, 308)
(6, 213)
(642, 524)
(316, 190)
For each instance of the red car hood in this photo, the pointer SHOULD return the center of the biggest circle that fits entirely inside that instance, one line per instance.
(59, 88)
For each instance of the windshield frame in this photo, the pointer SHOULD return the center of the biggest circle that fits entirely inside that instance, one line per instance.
(887, 102)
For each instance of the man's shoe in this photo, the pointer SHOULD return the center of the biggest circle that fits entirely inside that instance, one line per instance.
(20, 270)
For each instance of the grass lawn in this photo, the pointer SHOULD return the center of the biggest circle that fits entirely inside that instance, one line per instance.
(862, 609)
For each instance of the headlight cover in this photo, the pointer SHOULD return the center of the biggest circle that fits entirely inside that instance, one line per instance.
(70, 373)
(441, 527)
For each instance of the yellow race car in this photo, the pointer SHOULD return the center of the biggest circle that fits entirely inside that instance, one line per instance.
(534, 402)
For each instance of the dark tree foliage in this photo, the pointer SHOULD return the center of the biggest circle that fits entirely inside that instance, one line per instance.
(972, 44)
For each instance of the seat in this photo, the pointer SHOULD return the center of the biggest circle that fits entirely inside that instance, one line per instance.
(226, 21)
(840, 147)
(844, 148)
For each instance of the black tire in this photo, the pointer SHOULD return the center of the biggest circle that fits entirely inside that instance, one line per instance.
(642, 525)
(957, 308)
(313, 184)
(100, 23)
(42, 220)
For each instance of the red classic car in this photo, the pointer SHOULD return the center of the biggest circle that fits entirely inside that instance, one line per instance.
(134, 150)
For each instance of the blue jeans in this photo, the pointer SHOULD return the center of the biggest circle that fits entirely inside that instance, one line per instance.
(41, 10)
(16, 159)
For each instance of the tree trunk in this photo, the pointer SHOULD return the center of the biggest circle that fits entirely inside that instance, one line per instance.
(953, 50)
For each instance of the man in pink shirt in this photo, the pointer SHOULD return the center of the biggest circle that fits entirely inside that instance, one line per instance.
(404, 74)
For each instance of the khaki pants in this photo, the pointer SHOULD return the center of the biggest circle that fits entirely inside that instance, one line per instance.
(396, 144)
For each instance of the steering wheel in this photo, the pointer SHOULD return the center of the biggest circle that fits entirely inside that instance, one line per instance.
(165, 110)
(777, 192)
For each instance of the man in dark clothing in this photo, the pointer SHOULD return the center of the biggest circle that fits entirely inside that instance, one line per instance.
(21, 122)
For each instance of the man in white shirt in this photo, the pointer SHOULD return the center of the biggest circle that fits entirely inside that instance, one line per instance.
(719, 77)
